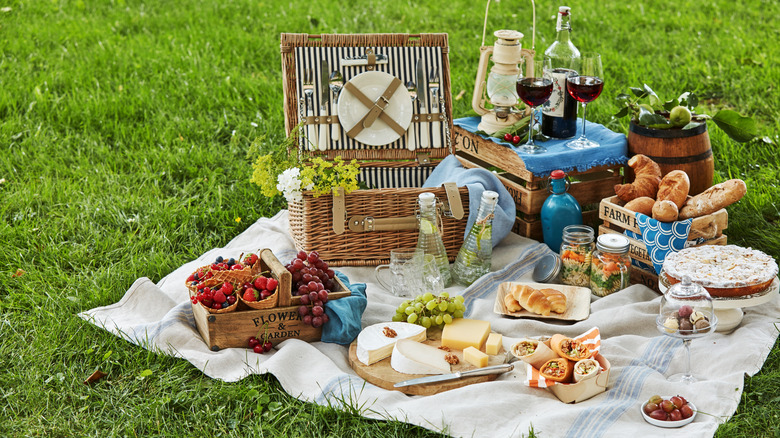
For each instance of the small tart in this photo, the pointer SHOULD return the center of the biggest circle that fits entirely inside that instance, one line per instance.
(725, 271)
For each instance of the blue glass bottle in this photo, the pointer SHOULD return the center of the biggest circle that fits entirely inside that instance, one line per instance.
(559, 210)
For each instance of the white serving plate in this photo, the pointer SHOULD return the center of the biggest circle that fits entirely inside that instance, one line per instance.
(660, 423)
(577, 302)
(351, 111)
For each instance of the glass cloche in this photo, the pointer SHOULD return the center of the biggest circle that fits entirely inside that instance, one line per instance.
(686, 313)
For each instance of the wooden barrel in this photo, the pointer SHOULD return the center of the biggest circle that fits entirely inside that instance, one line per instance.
(672, 149)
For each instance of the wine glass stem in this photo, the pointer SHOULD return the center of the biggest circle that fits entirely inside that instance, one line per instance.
(531, 127)
(687, 345)
(584, 108)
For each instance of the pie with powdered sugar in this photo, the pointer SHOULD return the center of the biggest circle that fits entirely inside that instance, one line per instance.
(725, 271)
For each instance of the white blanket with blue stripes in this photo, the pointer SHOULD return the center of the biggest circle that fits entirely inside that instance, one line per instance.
(158, 317)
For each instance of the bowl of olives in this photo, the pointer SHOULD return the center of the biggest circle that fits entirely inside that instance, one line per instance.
(668, 411)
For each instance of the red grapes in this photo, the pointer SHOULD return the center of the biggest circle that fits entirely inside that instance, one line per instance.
(312, 281)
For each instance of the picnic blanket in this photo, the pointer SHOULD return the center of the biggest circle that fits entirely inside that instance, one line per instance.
(158, 317)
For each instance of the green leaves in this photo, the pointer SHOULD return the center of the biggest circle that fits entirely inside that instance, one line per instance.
(647, 118)
(740, 128)
(515, 129)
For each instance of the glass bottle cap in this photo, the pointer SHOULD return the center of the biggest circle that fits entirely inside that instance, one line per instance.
(547, 269)
(613, 243)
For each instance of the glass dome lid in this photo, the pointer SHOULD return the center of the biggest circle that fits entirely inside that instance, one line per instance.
(686, 311)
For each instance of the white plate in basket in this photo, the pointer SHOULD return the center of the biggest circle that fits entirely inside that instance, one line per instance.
(351, 111)
(577, 302)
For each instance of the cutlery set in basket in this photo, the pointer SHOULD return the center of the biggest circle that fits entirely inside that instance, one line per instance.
(383, 99)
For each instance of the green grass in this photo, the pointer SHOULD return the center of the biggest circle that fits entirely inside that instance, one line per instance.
(124, 131)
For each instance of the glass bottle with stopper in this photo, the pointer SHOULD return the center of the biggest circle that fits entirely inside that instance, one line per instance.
(559, 210)
(686, 313)
(429, 239)
(475, 255)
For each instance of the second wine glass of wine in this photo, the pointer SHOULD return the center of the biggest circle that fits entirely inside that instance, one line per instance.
(586, 87)
(534, 89)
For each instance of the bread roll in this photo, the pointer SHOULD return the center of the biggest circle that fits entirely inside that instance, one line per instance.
(511, 303)
(665, 211)
(643, 204)
(557, 300)
(714, 198)
(674, 187)
(532, 300)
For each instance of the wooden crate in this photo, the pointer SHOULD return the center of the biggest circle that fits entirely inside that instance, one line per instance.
(705, 230)
(529, 191)
(233, 329)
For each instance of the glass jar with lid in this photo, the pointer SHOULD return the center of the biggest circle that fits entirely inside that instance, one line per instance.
(576, 252)
(610, 265)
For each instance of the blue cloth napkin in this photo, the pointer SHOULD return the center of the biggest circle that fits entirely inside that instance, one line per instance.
(477, 181)
(661, 238)
(613, 149)
(345, 314)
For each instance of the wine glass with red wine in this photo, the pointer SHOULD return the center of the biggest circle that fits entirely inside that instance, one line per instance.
(586, 87)
(534, 89)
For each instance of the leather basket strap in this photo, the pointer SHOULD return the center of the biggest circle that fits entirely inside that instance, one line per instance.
(376, 108)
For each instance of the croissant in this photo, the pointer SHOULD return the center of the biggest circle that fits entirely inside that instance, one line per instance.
(556, 298)
(532, 300)
(511, 303)
(648, 175)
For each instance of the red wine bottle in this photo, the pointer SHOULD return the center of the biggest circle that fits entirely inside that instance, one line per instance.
(559, 114)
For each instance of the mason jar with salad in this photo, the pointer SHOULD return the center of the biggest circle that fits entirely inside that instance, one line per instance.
(610, 265)
(576, 252)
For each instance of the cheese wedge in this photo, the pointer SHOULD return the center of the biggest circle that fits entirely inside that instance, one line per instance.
(412, 357)
(373, 345)
(462, 333)
(475, 357)
(493, 344)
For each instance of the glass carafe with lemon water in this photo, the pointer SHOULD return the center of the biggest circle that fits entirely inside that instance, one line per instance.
(475, 255)
(429, 239)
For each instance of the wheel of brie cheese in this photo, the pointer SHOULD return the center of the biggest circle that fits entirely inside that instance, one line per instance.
(725, 271)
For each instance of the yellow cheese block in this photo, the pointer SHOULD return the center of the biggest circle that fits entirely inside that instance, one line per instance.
(493, 344)
(462, 333)
(475, 357)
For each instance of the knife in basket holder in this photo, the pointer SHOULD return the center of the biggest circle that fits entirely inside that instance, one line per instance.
(324, 100)
(422, 98)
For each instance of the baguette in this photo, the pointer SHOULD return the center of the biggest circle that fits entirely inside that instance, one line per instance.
(532, 300)
(674, 187)
(665, 211)
(713, 199)
(642, 204)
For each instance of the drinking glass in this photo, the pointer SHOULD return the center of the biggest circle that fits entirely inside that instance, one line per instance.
(534, 90)
(406, 266)
(586, 87)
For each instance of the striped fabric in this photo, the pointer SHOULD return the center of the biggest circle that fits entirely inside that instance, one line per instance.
(401, 64)
(394, 177)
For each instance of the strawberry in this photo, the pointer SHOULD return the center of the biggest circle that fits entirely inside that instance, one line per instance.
(261, 283)
(271, 284)
(250, 295)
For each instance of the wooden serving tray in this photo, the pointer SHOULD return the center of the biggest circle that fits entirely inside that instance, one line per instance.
(384, 376)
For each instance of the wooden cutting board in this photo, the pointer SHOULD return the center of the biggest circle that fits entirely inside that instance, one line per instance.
(384, 376)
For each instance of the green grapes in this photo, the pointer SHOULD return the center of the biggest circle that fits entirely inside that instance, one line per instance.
(429, 310)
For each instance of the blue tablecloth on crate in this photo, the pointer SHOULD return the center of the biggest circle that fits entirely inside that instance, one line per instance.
(613, 149)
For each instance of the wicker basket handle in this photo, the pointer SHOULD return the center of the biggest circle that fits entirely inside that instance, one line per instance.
(452, 207)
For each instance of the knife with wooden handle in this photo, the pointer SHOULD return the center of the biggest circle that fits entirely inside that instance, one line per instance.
(495, 369)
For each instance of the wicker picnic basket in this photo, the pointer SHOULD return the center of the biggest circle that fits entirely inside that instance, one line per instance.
(360, 228)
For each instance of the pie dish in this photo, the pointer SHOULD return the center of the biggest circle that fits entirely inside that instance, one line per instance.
(725, 271)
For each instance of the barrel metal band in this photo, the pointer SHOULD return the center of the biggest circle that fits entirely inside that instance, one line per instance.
(682, 160)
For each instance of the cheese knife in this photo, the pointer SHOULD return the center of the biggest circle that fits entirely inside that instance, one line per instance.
(422, 98)
(324, 99)
(495, 369)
